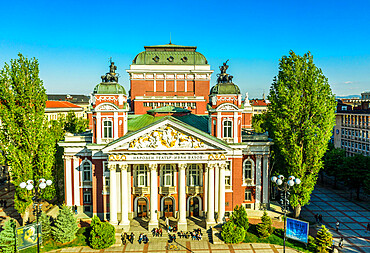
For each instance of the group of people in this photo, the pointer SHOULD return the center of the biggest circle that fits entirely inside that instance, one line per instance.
(318, 218)
(125, 237)
(3, 203)
(157, 232)
(143, 238)
(172, 229)
(194, 235)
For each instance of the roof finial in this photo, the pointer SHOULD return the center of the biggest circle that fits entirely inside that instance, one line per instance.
(170, 38)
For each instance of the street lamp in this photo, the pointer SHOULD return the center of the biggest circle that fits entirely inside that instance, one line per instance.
(29, 185)
(284, 200)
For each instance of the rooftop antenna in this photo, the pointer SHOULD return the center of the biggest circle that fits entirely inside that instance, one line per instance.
(170, 38)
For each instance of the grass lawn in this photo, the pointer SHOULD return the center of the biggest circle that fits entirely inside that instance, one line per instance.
(276, 238)
(49, 245)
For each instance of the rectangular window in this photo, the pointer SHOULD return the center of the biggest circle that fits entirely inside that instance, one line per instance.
(227, 129)
(142, 175)
(248, 195)
(227, 180)
(87, 197)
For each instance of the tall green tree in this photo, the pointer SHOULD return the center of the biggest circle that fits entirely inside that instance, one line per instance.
(264, 228)
(301, 115)
(46, 226)
(240, 217)
(324, 240)
(7, 237)
(102, 234)
(231, 233)
(74, 124)
(26, 139)
(260, 123)
(65, 225)
(334, 160)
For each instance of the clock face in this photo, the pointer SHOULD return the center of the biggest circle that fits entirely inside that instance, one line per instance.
(337, 131)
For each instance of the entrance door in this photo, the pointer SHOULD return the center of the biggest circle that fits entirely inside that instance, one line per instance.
(194, 207)
(141, 208)
(168, 207)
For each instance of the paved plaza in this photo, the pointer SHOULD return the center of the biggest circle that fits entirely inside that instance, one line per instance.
(186, 246)
(334, 207)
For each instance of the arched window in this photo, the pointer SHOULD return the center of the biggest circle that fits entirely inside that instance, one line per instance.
(194, 175)
(107, 129)
(228, 129)
(141, 175)
(167, 175)
(86, 169)
(248, 171)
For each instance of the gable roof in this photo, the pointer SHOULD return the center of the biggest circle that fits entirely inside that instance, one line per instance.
(60, 104)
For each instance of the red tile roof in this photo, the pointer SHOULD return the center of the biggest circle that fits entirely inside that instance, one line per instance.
(258, 102)
(60, 104)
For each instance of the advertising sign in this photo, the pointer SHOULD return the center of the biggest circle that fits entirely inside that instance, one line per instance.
(297, 230)
(27, 236)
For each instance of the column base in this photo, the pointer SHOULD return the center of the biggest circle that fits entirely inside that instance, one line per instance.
(153, 224)
(210, 223)
(182, 226)
(113, 222)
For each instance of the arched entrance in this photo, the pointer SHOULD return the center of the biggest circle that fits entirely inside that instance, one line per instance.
(142, 208)
(194, 207)
(168, 207)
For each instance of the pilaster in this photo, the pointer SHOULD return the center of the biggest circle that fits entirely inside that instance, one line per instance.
(182, 223)
(153, 223)
(125, 223)
(258, 182)
(210, 221)
(112, 194)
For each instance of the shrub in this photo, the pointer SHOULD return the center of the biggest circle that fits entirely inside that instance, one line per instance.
(65, 226)
(231, 233)
(7, 240)
(102, 234)
(240, 217)
(265, 229)
(311, 246)
(324, 239)
(46, 226)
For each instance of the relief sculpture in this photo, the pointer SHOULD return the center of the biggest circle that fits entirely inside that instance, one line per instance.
(166, 138)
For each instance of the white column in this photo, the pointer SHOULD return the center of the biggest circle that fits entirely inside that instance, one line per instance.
(125, 223)
(113, 194)
(182, 224)
(98, 128)
(69, 180)
(153, 223)
(129, 190)
(186, 85)
(115, 124)
(175, 83)
(76, 181)
(217, 181)
(221, 202)
(205, 183)
(164, 83)
(211, 196)
(235, 130)
(265, 176)
(219, 125)
(258, 182)
(155, 84)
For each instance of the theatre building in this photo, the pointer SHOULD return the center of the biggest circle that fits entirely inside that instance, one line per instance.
(171, 161)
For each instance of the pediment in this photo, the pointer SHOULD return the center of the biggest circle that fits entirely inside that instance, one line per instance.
(227, 107)
(167, 135)
(106, 107)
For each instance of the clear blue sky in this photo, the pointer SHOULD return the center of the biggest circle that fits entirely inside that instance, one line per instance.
(73, 40)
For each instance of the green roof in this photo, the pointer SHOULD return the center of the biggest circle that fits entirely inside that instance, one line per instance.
(225, 88)
(155, 120)
(141, 121)
(109, 88)
(170, 54)
(169, 108)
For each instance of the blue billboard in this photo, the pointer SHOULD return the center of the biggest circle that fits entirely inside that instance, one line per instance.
(297, 230)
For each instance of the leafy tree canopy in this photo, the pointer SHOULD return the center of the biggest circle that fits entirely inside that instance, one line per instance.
(240, 217)
(301, 115)
(231, 233)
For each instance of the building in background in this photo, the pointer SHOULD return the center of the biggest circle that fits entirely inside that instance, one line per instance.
(167, 160)
(79, 100)
(352, 128)
(56, 109)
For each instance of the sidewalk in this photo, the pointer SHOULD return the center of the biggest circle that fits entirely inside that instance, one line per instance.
(186, 247)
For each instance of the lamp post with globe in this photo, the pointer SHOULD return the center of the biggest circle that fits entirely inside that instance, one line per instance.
(284, 187)
(29, 185)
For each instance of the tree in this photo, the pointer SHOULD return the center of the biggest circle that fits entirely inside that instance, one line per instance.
(73, 124)
(265, 229)
(102, 234)
(27, 142)
(324, 239)
(334, 160)
(240, 217)
(46, 226)
(7, 237)
(231, 233)
(301, 115)
(65, 226)
(355, 170)
(259, 123)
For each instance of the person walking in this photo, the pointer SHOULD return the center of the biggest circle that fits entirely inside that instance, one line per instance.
(123, 238)
(160, 232)
(337, 226)
(320, 218)
(341, 242)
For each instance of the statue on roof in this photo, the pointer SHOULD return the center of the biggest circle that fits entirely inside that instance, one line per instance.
(224, 67)
(223, 77)
(111, 75)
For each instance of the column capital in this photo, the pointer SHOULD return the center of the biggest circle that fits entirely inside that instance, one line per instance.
(211, 165)
(153, 166)
(258, 156)
(111, 166)
(222, 165)
(67, 157)
(123, 166)
(182, 166)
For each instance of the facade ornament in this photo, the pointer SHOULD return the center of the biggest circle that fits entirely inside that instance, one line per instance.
(182, 166)
(246, 100)
(166, 138)
(153, 166)
(123, 166)
(223, 77)
(222, 165)
(111, 76)
(112, 166)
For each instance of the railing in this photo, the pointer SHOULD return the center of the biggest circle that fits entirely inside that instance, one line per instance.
(140, 190)
(167, 190)
(194, 189)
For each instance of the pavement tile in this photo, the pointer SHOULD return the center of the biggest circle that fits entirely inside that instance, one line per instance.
(241, 251)
(261, 246)
(116, 249)
(86, 249)
(68, 250)
(219, 246)
(134, 247)
(359, 241)
(352, 213)
(361, 219)
(242, 246)
(354, 225)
